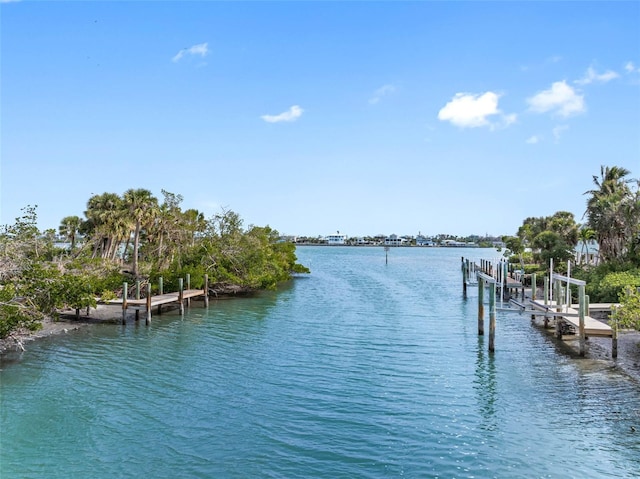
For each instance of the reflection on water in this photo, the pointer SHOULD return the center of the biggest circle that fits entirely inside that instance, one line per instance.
(485, 386)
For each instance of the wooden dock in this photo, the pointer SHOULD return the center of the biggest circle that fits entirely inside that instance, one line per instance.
(570, 315)
(146, 304)
(498, 276)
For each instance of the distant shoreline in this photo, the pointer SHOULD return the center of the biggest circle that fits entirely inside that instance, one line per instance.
(392, 246)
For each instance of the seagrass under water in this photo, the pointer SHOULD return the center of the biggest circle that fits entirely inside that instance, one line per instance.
(360, 369)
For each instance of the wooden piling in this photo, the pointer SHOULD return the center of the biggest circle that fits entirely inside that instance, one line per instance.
(137, 297)
(124, 302)
(558, 295)
(206, 290)
(614, 341)
(188, 288)
(546, 300)
(492, 317)
(480, 306)
(160, 292)
(464, 278)
(148, 320)
(505, 278)
(181, 295)
(534, 286)
(581, 314)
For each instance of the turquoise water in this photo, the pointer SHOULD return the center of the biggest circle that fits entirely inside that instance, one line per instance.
(360, 370)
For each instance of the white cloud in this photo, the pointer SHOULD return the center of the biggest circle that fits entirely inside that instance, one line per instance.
(380, 92)
(630, 67)
(292, 114)
(533, 140)
(467, 110)
(558, 130)
(592, 76)
(560, 99)
(201, 49)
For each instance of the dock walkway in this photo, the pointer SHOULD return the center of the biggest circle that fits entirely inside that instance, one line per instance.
(500, 276)
(592, 327)
(145, 304)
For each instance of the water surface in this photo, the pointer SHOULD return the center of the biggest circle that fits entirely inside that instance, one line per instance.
(360, 369)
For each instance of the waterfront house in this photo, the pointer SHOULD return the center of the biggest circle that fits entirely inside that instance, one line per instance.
(394, 240)
(424, 241)
(336, 239)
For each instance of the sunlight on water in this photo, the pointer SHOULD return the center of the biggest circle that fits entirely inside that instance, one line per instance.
(360, 369)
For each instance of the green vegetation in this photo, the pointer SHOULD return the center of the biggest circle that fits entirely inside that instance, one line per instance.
(613, 221)
(128, 238)
(628, 313)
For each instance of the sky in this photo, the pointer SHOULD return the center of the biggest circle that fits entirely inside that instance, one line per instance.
(315, 117)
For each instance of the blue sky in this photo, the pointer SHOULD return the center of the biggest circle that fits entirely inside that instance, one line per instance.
(313, 117)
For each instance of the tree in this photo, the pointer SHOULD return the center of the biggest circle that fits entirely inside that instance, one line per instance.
(69, 228)
(551, 245)
(142, 207)
(107, 224)
(586, 236)
(613, 213)
(628, 313)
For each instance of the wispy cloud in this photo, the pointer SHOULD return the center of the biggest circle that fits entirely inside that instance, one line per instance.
(630, 67)
(532, 140)
(558, 131)
(592, 76)
(380, 92)
(292, 114)
(201, 49)
(560, 99)
(467, 110)
(547, 61)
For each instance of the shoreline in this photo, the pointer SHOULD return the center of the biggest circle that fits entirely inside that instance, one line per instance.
(103, 314)
(598, 349)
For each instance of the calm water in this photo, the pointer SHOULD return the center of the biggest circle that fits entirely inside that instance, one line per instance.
(358, 370)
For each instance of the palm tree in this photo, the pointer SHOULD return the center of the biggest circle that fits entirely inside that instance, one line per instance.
(104, 216)
(586, 236)
(142, 207)
(69, 227)
(606, 210)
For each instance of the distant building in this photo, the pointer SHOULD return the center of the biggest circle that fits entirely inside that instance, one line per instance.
(394, 240)
(424, 241)
(336, 239)
(459, 244)
(587, 252)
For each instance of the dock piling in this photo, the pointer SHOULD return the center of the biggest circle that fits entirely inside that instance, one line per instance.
(464, 278)
(188, 275)
(581, 315)
(137, 297)
(206, 290)
(124, 302)
(148, 320)
(480, 306)
(181, 295)
(492, 317)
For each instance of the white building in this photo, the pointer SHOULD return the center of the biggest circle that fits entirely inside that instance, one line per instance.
(336, 239)
(394, 240)
(424, 241)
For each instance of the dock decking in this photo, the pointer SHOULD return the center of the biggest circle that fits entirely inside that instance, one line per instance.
(167, 298)
(556, 286)
(159, 300)
(592, 327)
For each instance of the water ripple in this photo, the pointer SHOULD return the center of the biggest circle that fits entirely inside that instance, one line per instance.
(360, 370)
